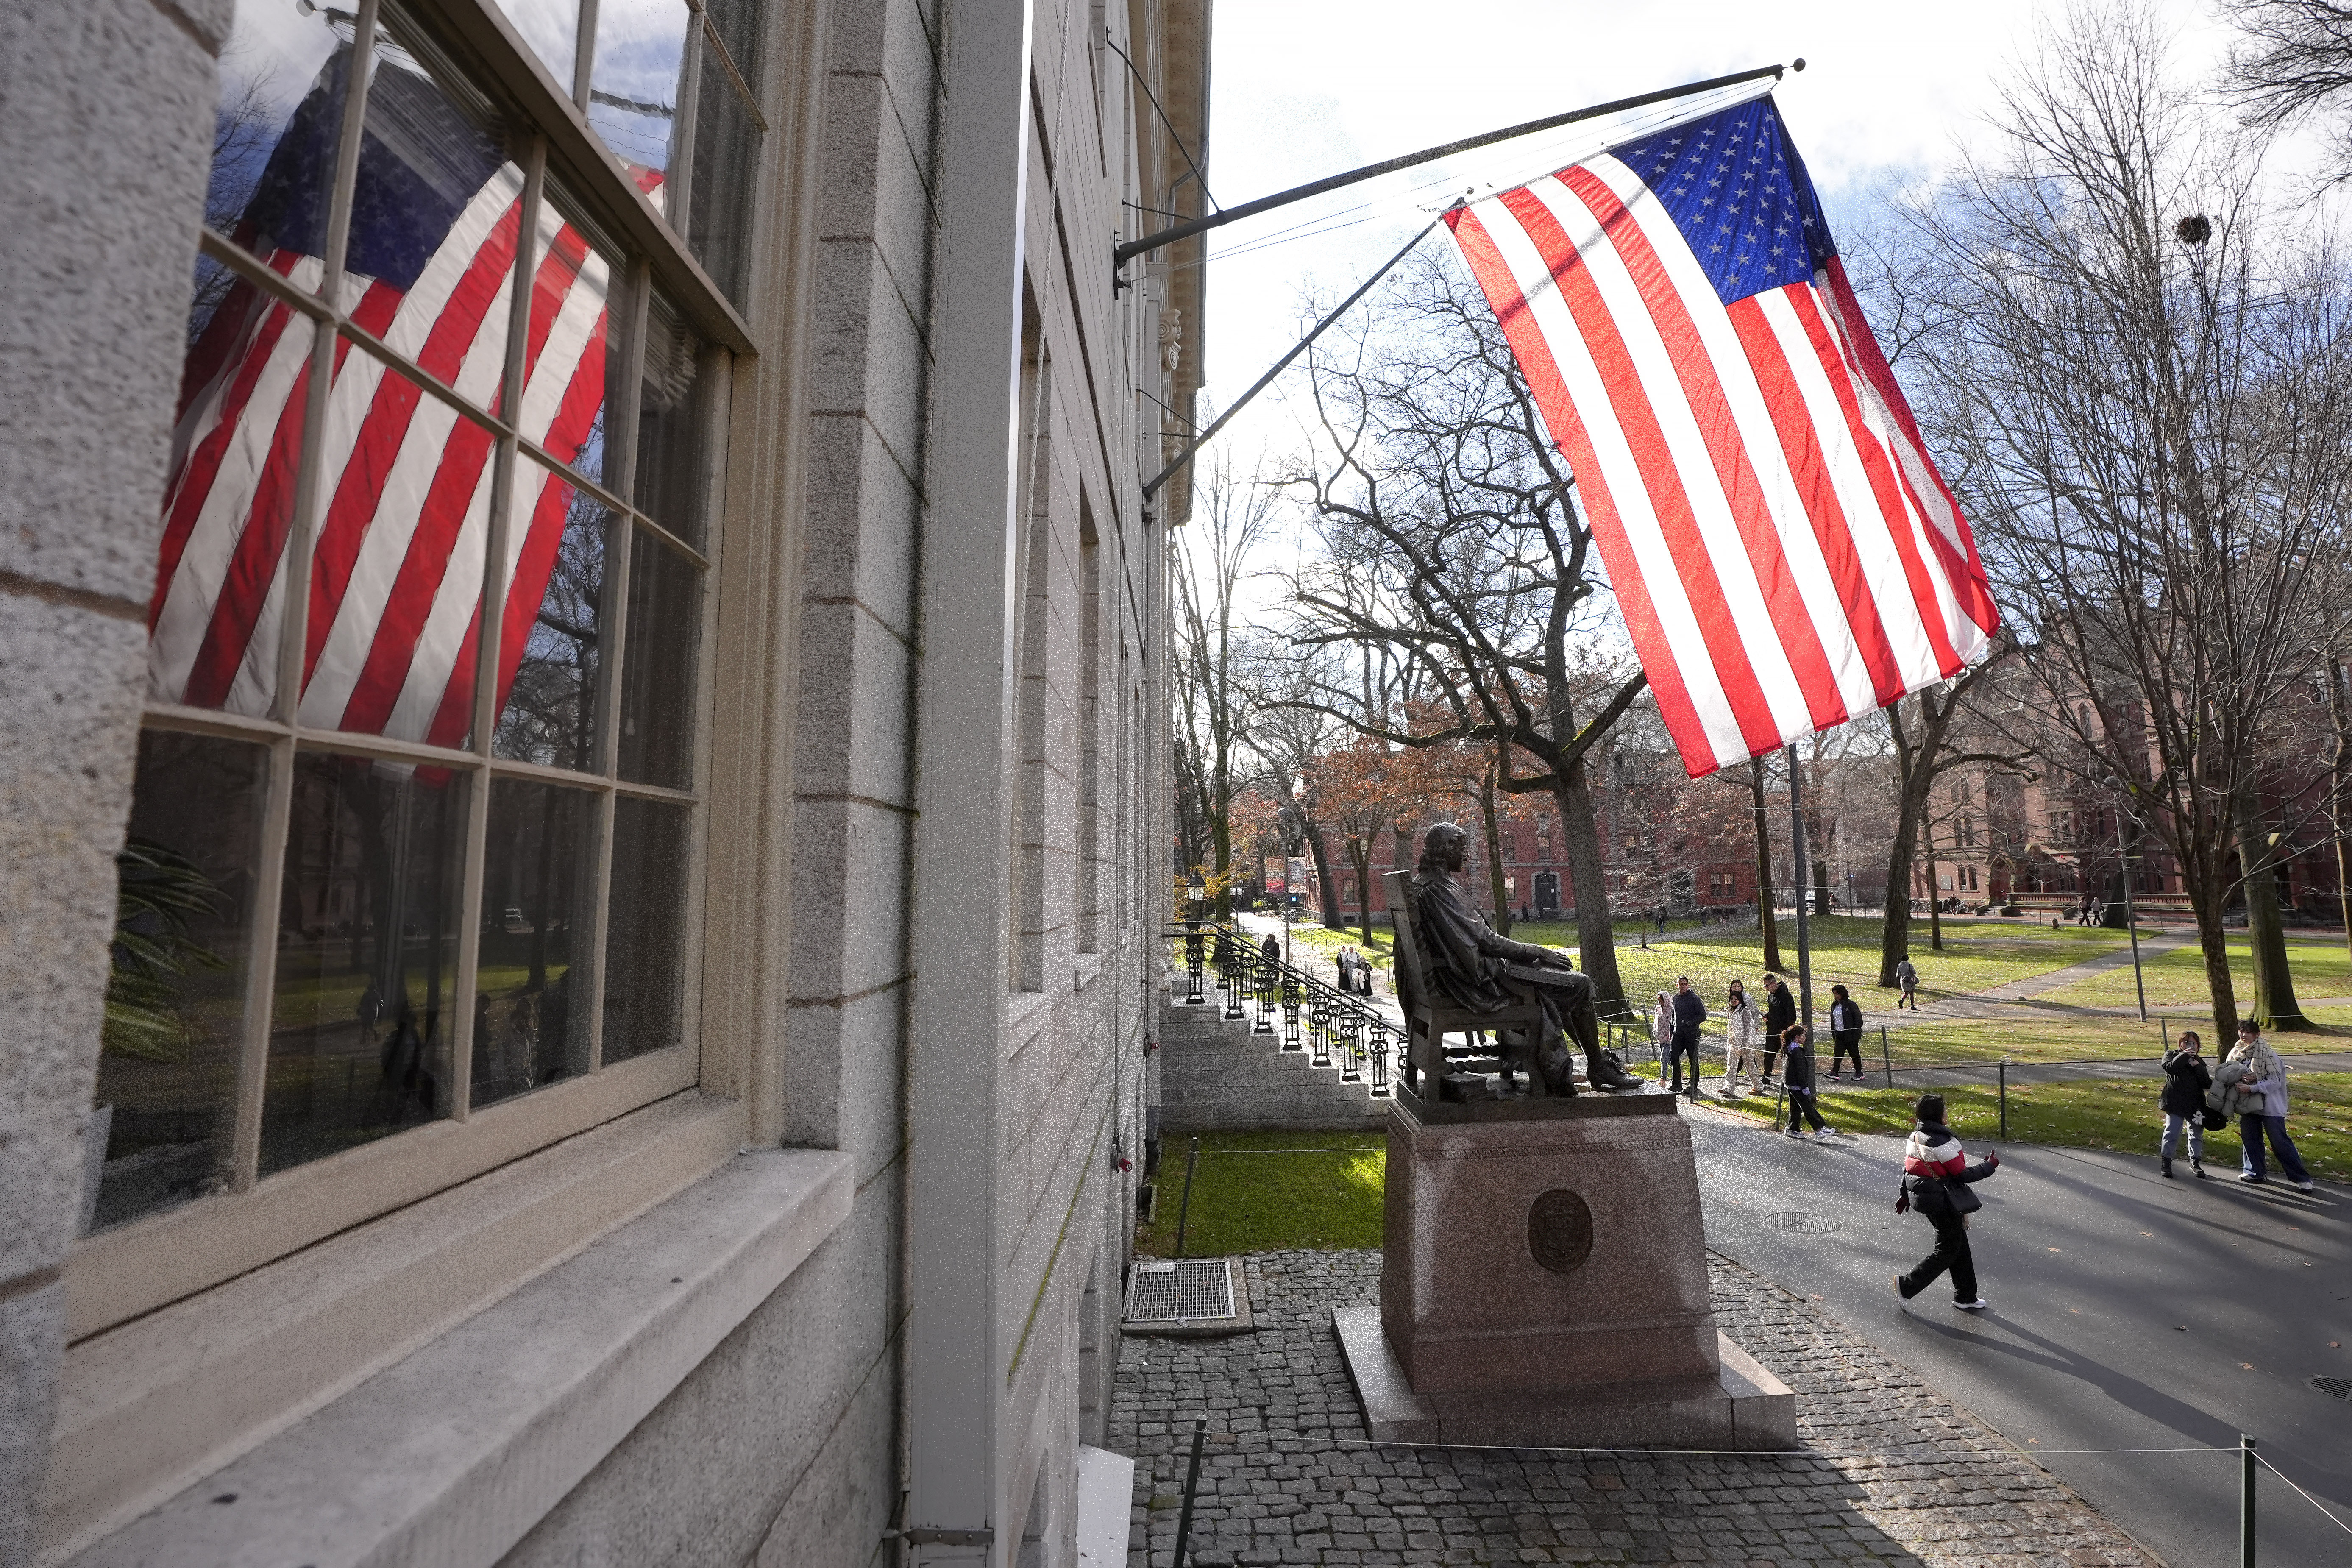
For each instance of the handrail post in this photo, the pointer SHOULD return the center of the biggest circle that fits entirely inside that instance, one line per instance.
(1191, 1485)
(2246, 1467)
(1885, 1056)
(2005, 1097)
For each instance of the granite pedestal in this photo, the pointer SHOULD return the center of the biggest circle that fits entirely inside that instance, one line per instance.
(1544, 1285)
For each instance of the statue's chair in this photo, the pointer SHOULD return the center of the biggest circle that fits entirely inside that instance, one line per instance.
(1429, 1017)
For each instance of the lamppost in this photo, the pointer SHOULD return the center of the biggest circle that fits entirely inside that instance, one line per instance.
(2123, 863)
(1198, 892)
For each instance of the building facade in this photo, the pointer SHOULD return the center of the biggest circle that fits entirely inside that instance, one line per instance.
(586, 735)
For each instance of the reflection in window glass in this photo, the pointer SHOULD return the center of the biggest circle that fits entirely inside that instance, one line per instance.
(726, 149)
(572, 291)
(634, 89)
(669, 479)
(367, 956)
(738, 25)
(645, 973)
(283, 80)
(174, 1009)
(656, 739)
(557, 535)
(551, 29)
(536, 875)
(396, 560)
(228, 503)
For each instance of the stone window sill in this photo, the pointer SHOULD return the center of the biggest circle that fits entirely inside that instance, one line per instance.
(452, 1452)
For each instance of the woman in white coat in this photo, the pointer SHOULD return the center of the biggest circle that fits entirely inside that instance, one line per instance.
(1743, 1037)
(1662, 1030)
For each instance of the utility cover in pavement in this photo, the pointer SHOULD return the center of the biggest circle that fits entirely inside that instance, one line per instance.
(1185, 1289)
(1801, 1223)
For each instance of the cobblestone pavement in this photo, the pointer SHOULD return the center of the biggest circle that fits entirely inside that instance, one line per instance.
(1891, 1470)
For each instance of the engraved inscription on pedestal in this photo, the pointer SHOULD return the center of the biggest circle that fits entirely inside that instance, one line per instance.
(1559, 1230)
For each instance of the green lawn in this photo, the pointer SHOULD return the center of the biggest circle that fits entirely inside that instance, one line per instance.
(2177, 979)
(1247, 1200)
(2103, 1114)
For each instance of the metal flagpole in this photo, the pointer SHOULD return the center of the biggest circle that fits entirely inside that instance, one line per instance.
(1197, 442)
(1804, 938)
(1132, 249)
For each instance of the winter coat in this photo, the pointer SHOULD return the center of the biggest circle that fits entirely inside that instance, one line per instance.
(1845, 1018)
(1689, 1014)
(1661, 1021)
(1797, 1069)
(2186, 1079)
(1779, 1014)
(1743, 1029)
(2263, 1087)
(1932, 1157)
(1905, 974)
(2227, 1097)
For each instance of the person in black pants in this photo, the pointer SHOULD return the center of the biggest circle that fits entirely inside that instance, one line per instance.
(1935, 1179)
(1689, 1014)
(1845, 1033)
(1798, 1081)
(1779, 1017)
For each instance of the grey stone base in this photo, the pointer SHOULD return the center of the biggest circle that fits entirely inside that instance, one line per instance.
(1744, 1407)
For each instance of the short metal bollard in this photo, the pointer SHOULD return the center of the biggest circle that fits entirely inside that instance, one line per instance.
(1184, 1214)
(1191, 1485)
(2245, 1502)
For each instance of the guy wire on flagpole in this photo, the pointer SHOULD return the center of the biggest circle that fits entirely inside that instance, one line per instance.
(1196, 443)
(1124, 252)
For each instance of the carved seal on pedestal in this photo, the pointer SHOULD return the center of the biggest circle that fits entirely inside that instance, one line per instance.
(1559, 1230)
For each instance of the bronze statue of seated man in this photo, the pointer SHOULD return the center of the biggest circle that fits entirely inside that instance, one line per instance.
(1481, 971)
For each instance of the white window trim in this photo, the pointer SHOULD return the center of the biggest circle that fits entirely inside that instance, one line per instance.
(150, 1408)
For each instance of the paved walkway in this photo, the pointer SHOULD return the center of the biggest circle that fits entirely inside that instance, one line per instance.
(2128, 1313)
(1892, 1471)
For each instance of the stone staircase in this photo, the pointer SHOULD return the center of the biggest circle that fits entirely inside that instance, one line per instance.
(1215, 1073)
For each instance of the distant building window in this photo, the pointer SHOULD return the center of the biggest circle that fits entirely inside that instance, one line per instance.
(1348, 891)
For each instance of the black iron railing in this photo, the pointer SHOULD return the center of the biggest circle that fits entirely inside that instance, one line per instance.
(1333, 1027)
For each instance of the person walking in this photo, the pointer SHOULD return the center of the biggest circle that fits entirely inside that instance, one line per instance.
(2263, 1088)
(1662, 1030)
(1937, 1177)
(1845, 1033)
(2186, 1079)
(1907, 975)
(1689, 1014)
(1779, 1017)
(1797, 1075)
(1743, 1034)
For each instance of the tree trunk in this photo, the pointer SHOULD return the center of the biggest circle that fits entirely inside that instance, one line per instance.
(1770, 927)
(1312, 831)
(1935, 893)
(1823, 902)
(1895, 932)
(1360, 855)
(1596, 941)
(1494, 852)
(2275, 1002)
(2339, 799)
(1220, 840)
(2207, 901)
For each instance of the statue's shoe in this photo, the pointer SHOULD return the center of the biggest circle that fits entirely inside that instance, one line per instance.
(1612, 1079)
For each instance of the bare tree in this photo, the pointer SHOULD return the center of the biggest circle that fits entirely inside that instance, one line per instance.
(2294, 62)
(1452, 544)
(1231, 518)
(2148, 384)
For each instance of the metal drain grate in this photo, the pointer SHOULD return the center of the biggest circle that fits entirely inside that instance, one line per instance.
(2341, 1387)
(1188, 1289)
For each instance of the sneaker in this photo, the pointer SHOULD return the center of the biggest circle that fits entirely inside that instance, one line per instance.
(2164, 1169)
(1792, 1133)
(2305, 1187)
(1823, 1136)
(1978, 1305)
(1834, 1078)
(2250, 1179)
(1898, 1286)
(2197, 1171)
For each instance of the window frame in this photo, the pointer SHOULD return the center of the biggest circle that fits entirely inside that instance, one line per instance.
(144, 1263)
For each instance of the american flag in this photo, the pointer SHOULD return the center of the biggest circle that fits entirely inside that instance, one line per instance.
(1784, 553)
(402, 536)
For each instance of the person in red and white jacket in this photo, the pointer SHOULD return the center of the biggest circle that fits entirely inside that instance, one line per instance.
(1935, 1178)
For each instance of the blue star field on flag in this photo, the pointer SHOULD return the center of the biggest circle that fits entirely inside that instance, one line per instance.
(1739, 193)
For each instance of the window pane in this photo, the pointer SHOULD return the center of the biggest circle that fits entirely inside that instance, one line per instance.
(551, 29)
(669, 483)
(174, 1015)
(726, 149)
(367, 952)
(572, 288)
(283, 80)
(633, 94)
(644, 970)
(228, 502)
(537, 876)
(396, 562)
(557, 538)
(656, 742)
(738, 23)
(434, 216)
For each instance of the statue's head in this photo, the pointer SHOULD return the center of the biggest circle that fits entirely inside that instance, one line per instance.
(1444, 847)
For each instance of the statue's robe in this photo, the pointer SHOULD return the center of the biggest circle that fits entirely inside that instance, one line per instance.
(1481, 971)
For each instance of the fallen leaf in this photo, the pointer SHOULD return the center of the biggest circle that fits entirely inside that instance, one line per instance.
(2049, 1249)
(2179, 1327)
(2247, 1365)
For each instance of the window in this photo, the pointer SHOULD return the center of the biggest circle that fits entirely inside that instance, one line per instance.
(1722, 884)
(2062, 827)
(395, 860)
(1348, 890)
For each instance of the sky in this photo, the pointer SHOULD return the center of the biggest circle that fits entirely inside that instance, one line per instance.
(1304, 88)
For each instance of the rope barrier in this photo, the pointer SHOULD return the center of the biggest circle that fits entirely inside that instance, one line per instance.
(2264, 1459)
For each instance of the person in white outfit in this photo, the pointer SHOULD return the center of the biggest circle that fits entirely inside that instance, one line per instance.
(1743, 1037)
(1662, 1029)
